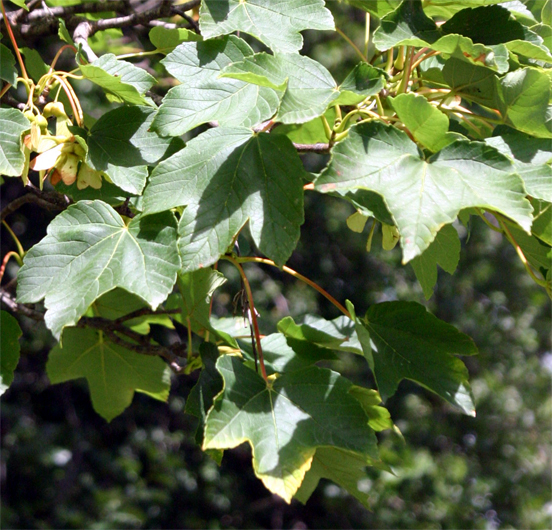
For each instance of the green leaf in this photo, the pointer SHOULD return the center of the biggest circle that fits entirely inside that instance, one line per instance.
(311, 132)
(492, 25)
(113, 372)
(196, 289)
(124, 81)
(378, 8)
(20, 3)
(286, 354)
(9, 348)
(122, 138)
(118, 303)
(108, 193)
(80, 259)
(364, 80)
(447, 8)
(203, 97)
(408, 25)
(310, 87)
(166, 40)
(346, 468)
(337, 334)
(427, 123)
(276, 23)
(443, 251)
(524, 101)
(538, 254)
(12, 125)
(8, 71)
(423, 195)
(542, 223)
(286, 421)
(531, 158)
(34, 64)
(370, 400)
(226, 177)
(407, 342)
(63, 33)
(202, 395)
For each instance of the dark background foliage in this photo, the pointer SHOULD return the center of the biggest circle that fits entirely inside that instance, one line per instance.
(62, 466)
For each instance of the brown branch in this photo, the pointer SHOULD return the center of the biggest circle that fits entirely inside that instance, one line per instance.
(320, 148)
(45, 199)
(9, 301)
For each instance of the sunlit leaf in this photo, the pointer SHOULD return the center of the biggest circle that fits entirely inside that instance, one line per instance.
(12, 125)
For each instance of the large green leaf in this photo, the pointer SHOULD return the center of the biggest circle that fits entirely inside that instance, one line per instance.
(427, 123)
(203, 97)
(276, 23)
(531, 157)
(113, 373)
(286, 421)
(226, 177)
(122, 138)
(407, 342)
(12, 125)
(423, 195)
(443, 251)
(125, 82)
(82, 256)
(310, 87)
(524, 101)
(9, 349)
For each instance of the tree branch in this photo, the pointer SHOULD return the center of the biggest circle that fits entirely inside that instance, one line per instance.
(320, 148)
(9, 301)
(48, 200)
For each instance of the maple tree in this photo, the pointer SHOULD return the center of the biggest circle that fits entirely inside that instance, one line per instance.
(442, 119)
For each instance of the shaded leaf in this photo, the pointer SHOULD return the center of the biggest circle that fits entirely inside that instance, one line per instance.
(9, 348)
(8, 72)
(407, 342)
(378, 416)
(285, 422)
(203, 96)
(167, 39)
(121, 138)
(226, 177)
(276, 23)
(113, 373)
(443, 251)
(80, 259)
(310, 87)
(12, 125)
(423, 195)
(311, 132)
(364, 80)
(542, 224)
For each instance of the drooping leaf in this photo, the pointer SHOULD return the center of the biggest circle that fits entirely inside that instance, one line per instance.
(108, 193)
(337, 334)
(370, 400)
(8, 72)
(276, 23)
(531, 158)
(113, 373)
(309, 133)
(346, 468)
(20, 3)
(363, 81)
(34, 64)
(226, 177)
(285, 422)
(524, 101)
(538, 253)
(9, 349)
(427, 123)
(12, 125)
(121, 139)
(443, 251)
(80, 259)
(167, 39)
(196, 289)
(286, 354)
(310, 87)
(204, 392)
(203, 97)
(423, 195)
(124, 81)
(407, 342)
